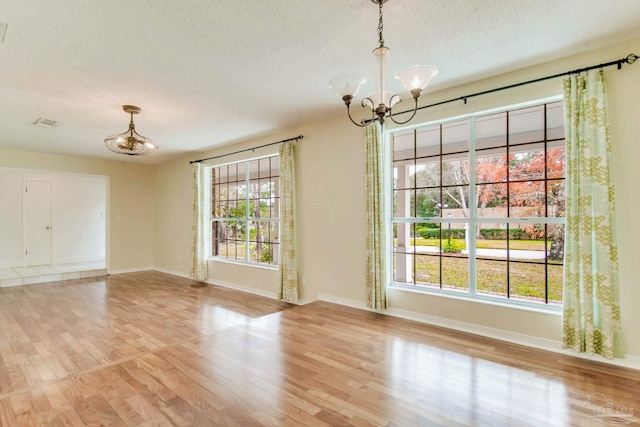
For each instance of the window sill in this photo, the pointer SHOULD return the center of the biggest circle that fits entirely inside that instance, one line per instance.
(271, 267)
(555, 309)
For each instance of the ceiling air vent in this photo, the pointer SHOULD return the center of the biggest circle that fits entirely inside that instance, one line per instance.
(47, 123)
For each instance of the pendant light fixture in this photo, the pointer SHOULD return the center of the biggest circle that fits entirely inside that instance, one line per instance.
(414, 79)
(130, 142)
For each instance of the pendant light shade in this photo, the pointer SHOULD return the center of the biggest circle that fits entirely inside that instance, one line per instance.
(130, 142)
(346, 84)
(416, 77)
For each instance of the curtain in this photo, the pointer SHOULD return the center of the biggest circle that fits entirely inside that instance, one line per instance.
(288, 271)
(198, 258)
(376, 268)
(591, 313)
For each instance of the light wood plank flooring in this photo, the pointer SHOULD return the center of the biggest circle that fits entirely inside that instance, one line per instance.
(151, 349)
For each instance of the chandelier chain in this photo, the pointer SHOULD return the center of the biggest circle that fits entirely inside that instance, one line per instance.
(380, 26)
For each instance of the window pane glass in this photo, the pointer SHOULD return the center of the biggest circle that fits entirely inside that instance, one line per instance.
(403, 146)
(492, 200)
(235, 172)
(527, 242)
(491, 131)
(555, 162)
(555, 120)
(275, 166)
(491, 277)
(230, 242)
(491, 168)
(526, 199)
(527, 163)
(427, 174)
(556, 199)
(428, 203)
(402, 267)
(262, 241)
(404, 176)
(455, 137)
(526, 125)
(554, 278)
(491, 241)
(404, 203)
(455, 271)
(264, 168)
(456, 199)
(428, 270)
(527, 281)
(428, 142)
(555, 243)
(455, 170)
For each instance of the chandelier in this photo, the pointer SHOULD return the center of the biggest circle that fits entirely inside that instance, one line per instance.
(130, 142)
(414, 79)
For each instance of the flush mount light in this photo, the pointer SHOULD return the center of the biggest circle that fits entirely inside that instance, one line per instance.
(130, 142)
(414, 79)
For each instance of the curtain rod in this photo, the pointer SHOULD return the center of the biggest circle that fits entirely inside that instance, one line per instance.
(629, 59)
(248, 149)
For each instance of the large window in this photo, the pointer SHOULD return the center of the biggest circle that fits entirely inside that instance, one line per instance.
(479, 205)
(246, 211)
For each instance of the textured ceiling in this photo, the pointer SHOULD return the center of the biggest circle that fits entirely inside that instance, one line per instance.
(211, 72)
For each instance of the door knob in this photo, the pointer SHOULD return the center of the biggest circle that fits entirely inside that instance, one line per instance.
(48, 228)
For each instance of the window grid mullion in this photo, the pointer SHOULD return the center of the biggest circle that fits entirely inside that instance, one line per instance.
(546, 209)
(473, 207)
(508, 208)
(441, 204)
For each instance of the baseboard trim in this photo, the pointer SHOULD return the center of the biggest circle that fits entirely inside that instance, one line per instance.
(172, 272)
(632, 362)
(130, 270)
(243, 288)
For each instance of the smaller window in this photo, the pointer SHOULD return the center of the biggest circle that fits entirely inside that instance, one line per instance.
(245, 207)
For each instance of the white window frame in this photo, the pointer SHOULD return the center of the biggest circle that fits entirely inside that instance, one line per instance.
(246, 218)
(471, 294)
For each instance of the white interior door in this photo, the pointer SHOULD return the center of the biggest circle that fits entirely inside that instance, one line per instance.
(37, 223)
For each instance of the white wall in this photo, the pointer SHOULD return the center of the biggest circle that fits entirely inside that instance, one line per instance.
(131, 202)
(11, 192)
(78, 216)
(331, 206)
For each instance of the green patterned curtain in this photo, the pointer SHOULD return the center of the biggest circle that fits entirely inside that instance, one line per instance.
(591, 316)
(198, 257)
(376, 268)
(288, 264)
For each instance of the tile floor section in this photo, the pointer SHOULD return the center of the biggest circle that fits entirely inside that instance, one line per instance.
(19, 276)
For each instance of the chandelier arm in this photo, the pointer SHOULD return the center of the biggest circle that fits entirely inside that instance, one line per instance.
(350, 118)
(415, 110)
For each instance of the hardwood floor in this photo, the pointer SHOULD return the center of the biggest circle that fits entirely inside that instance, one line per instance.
(158, 350)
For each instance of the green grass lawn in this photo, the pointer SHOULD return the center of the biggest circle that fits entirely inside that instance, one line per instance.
(527, 279)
